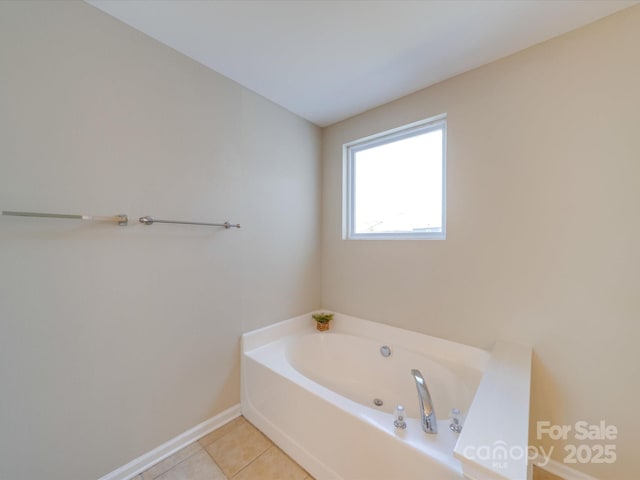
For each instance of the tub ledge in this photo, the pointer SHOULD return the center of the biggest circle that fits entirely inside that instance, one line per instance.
(494, 441)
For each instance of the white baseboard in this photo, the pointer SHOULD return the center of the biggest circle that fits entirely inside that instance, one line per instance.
(158, 454)
(563, 471)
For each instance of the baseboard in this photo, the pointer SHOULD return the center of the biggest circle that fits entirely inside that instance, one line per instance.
(158, 454)
(563, 471)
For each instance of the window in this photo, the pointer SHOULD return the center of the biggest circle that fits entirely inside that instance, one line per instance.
(395, 183)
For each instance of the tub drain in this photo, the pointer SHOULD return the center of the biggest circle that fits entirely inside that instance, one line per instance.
(377, 402)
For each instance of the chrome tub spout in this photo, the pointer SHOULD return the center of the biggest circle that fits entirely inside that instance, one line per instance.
(427, 413)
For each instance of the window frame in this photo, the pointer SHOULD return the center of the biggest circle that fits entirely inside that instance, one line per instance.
(349, 150)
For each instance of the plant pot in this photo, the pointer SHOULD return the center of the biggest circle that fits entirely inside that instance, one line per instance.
(322, 326)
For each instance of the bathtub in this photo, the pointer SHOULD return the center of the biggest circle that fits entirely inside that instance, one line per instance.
(327, 399)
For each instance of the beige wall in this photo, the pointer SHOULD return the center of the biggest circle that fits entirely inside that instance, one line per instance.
(543, 224)
(114, 340)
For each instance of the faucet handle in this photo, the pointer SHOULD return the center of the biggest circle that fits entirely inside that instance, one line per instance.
(456, 420)
(398, 413)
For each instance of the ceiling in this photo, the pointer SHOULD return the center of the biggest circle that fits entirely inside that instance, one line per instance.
(327, 60)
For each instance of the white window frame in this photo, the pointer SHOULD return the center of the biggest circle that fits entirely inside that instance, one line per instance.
(348, 195)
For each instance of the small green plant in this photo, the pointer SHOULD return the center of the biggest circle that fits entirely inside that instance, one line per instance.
(322, 317)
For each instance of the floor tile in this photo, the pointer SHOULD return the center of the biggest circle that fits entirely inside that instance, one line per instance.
(221, 432)
(273, 464)
(198, 466)
(239, 447)
(170, 462)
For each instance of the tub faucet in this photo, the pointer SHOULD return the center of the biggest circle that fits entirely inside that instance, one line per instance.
(427, 413)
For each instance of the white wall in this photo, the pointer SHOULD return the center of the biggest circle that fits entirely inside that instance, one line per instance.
(542, 230)
(115, 339)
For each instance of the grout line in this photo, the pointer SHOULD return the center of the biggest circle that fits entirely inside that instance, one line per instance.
(220, 438)
(214, 461)
(257, 457)
(182, 461)
(271, 445)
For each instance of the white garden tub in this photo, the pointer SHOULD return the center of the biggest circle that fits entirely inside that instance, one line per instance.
(313, 394)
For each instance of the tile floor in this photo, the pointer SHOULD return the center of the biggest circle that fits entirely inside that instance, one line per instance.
(235, 451)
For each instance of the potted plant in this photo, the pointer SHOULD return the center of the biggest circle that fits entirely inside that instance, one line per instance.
(322, 320)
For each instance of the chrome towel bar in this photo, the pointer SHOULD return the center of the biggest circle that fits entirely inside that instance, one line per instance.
(148, 220)
(121, 220)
